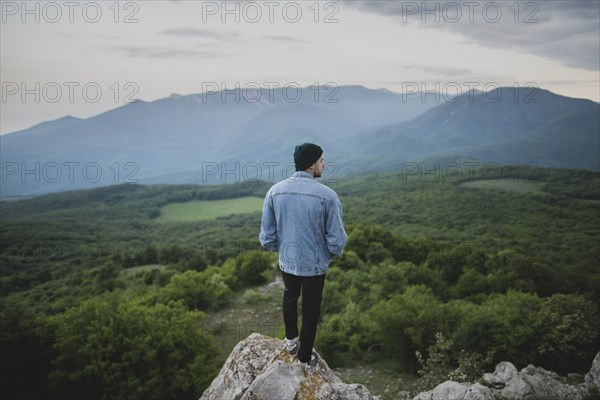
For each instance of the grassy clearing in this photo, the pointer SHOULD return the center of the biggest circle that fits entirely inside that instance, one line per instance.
(201, 210)
(510, 185)
(255, 309)
(148, 267)
(379, 379)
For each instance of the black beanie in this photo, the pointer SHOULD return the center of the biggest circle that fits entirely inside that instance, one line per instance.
(306, 154)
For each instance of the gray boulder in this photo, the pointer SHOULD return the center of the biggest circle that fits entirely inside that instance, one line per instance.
(507, 382)
(451, 390)
(259, 368)
(531, 381)
(593, 377)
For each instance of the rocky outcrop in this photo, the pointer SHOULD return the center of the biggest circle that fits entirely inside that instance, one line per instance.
(259, 368)
(593, 377)
(529, 382)
(507, 382)
(451, 390)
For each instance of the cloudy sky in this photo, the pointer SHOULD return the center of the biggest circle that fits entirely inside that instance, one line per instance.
(82, 58)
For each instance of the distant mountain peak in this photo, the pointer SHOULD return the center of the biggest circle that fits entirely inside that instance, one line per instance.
(65, 119)
(46, 126)
(172, 139)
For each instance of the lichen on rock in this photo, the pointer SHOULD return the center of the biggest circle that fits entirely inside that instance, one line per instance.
(508, 383)
(259, 368)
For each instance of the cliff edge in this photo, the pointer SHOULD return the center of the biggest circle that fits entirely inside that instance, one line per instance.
(259, 368)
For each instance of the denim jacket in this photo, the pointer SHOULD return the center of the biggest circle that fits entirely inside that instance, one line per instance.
(302, 221)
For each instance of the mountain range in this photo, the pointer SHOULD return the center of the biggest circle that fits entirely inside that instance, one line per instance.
(218, 138)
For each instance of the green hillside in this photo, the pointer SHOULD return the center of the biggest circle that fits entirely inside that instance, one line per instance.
(102, 299)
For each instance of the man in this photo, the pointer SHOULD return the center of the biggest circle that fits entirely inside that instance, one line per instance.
(302, 221)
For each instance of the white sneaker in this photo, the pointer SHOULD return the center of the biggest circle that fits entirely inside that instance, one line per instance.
(292, 346)
(313, 361)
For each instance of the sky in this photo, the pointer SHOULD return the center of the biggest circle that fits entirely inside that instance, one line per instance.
(83, 58)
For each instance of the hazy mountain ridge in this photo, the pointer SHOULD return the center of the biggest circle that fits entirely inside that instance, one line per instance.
(170, 140)
(547, 130)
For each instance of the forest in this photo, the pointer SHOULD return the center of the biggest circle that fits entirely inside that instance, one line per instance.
(99, 300)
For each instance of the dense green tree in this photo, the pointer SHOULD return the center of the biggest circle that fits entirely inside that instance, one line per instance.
(370, 243)
(407, 322)
(568, 333)
(197, 290)
(172, 253)
(378, 253)
(106, 279)
(344, 337)
(111, 348)
(253, 267)
(388, 279)
(471, 284)
(349, 260)
(334, 298)
(505, 323)
(449, 261)
(423, 275)
(26, 352)
(197, 261)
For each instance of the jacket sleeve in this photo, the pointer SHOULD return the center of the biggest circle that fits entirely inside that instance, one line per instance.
(268, 225)
(335, 234)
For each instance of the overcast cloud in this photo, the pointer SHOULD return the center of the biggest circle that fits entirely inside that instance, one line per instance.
(563, 30)
(151, 49)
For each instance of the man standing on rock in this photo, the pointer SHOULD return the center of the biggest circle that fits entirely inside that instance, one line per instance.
(302, 221)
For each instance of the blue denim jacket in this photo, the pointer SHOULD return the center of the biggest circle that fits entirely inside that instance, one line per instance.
(302, 221)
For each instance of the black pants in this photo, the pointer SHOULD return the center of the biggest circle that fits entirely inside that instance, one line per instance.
(312, 292)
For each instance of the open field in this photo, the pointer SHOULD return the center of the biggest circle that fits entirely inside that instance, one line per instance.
(201, 210)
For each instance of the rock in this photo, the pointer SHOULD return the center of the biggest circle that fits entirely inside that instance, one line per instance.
(547, 383)
(506, 377)
(451, 390)
(531, 381)
(593, 377)
(243, 365)
(507, 382)
(259, 368)
(504, 372)
(478, 392)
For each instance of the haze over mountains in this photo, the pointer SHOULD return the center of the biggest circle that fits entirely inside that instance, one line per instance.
(219, 137)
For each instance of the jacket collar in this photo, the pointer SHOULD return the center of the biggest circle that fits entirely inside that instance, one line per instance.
(302, 174)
